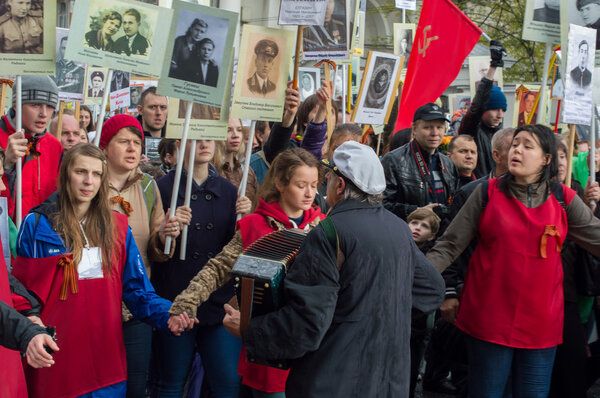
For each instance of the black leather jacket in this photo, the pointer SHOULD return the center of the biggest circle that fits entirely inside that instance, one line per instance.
(406, 190)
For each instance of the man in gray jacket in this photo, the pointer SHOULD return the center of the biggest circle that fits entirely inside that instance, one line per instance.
(346, 320)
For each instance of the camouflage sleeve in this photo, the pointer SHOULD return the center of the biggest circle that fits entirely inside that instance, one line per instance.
(212, 276)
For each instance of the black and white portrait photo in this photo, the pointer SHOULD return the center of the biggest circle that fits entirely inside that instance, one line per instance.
(95, 83)
(308, 81)
(120, 80)
(70, 76)
(332, 36)
(266, 62)
(199, 47)
(581, 76)
(380, 82)
(119, 28)
(404, 43)
(22, 27)
(135, 93)
(547, 11)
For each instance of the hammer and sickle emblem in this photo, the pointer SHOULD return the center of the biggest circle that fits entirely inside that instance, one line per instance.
(424, 45)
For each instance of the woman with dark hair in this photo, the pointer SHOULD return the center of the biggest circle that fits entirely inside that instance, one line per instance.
(184, 61)
(512, 304)
(86, 120)
(101, 39)
(285, 201)
(80, 260)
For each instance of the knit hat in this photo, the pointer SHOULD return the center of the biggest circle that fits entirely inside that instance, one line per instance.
(116, 123)
(37, 90)
(497, 100)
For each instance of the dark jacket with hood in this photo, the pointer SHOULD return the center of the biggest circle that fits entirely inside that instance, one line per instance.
(348, 331)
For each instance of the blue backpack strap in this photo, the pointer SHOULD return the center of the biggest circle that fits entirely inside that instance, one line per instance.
(149, 191)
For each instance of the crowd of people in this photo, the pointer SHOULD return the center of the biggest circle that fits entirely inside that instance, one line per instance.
(461, 268)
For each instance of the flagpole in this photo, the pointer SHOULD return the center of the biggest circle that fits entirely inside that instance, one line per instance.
(246, 169)
(592, 152)
(188, 196)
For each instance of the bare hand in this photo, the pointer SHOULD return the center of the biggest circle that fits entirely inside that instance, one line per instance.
(323, 94)
(183, 214)
(232, 321)
(36, 354)
(169, 227)
(430, 206)
(243, 205)
(15, 149)
(181, 322)
(36, 320)
(291, 104)
(592, 192)
(449, 309)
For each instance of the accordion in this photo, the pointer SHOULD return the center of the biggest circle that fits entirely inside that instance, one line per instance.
(259, 272)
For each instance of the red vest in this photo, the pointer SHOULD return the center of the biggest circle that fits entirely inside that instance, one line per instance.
(12, 379)
(513, 296)
(252, 227)
(40, 175)
(88, 324)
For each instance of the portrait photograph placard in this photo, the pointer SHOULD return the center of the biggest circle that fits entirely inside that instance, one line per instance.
(330, 40)
(407, 4)
(135, 93)
(524, 106)
(381, 77)
(404, 34)
(478, 67)
(542, 21)
(460, 101)
(119, 90)
(262, 73)
(94, 85)
(199, 54)
(309, 80)
(28, 37)
(302, 12)
(119, 34)
(357, 31)
(586, 15)
(70, 75)
(579, 77)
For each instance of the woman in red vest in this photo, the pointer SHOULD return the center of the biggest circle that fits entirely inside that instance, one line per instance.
(80, 260)
(285, 201)
(512, 304)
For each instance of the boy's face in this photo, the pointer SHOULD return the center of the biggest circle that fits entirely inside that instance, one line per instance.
(421, 231)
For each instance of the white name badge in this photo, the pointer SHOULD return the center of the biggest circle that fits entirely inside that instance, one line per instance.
(90, 266)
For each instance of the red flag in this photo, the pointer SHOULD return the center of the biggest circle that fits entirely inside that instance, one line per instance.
(444, 38)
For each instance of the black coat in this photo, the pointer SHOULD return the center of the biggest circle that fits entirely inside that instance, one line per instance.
(348, 331)
(406, 190)
(138, 47)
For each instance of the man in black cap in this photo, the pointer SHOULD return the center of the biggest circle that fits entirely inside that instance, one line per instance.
(590, 12)
(418, 175)
(259, 83)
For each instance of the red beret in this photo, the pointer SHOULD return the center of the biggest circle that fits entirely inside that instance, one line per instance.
(116, 123)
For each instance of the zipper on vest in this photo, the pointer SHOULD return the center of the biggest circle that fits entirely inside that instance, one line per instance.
(529, 195)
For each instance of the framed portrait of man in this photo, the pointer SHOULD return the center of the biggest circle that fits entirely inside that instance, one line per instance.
(94, 85)
(380, 81)
(70, 75)
(199, 54)
(262, 73)
(525, 106)
(330, 40)
(404, 34)
(120, 34)
(584, 13)
(28, 36)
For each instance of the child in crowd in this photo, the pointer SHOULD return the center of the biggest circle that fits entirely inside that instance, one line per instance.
(424, 224)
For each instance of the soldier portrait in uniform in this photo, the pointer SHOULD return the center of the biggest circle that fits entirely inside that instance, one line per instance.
(96, 84)
(70, 76)
(333, 35)
(199, 48)
(265, 60)
(526, 108)
(22, 27)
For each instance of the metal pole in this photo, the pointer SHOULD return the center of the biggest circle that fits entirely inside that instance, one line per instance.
(592, 152)
(188, 194)
(100, 121)
(19, 165)
(178, 169)
(244, 182)
(542, 107)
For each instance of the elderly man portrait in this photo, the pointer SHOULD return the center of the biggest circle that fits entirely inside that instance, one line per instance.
(265, 52)
(21, 29)
(133, 42)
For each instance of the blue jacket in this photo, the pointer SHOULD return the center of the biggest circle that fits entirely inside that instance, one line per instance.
(211, 228)
(138, 294)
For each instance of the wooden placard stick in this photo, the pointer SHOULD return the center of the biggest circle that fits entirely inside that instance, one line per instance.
(297, 55)
(570, 154)
(4, 82)
(330, 116)
(77, 110)
(61, 110)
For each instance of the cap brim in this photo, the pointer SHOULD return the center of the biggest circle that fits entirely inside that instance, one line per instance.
(328, 163)
(433, 117)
